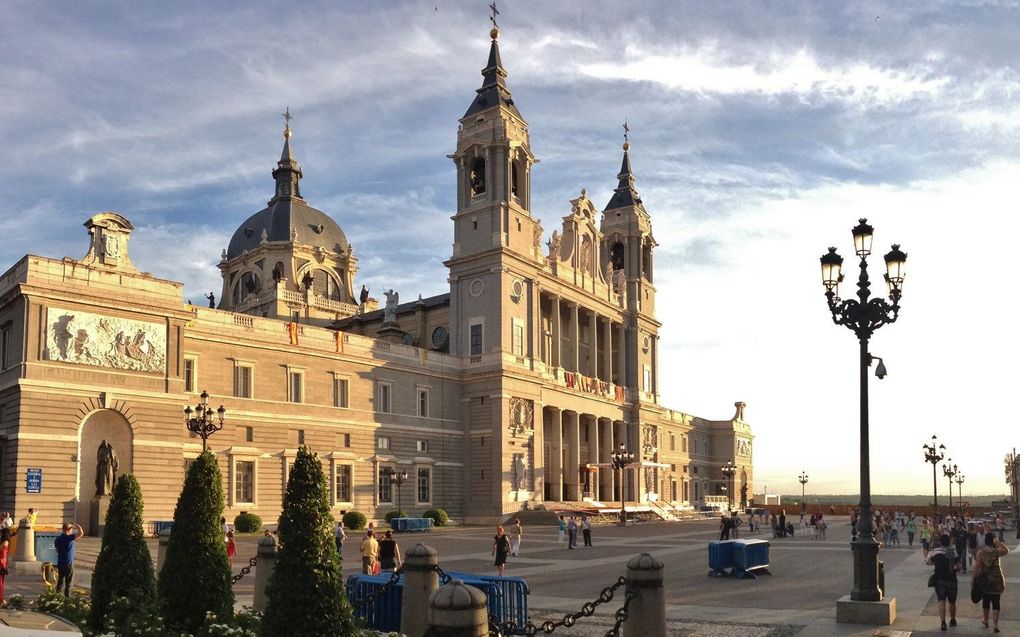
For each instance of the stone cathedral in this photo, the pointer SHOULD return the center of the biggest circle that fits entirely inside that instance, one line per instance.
(510, 391)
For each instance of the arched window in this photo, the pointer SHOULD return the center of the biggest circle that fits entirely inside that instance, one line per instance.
(646, 260)
(477, 176)
(249, 283)
(515, 178)
(616, 255)
(325, 285)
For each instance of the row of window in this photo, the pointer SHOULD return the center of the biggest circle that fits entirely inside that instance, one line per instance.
(244, 384)
(342, 492)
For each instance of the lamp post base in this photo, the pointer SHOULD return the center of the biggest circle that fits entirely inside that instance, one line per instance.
(866, 586)
(880, 613)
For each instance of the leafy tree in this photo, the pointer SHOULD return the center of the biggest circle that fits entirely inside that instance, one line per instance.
(195, 579)
(306, 593)
(124, 565)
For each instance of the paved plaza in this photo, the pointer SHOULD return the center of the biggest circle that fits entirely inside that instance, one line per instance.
(799, 598)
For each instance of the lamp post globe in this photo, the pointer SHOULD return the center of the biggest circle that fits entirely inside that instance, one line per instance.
(863, 315)
(620, 458)
(959, 490)
(934, 453)
(398, 478)
(205, 421)
(728, 471)
(803, 479)
(949, 470)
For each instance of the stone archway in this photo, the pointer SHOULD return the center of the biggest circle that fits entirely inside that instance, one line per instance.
(104, 424)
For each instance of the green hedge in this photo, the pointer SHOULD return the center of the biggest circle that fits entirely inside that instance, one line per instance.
(439, 517)
(247, 523)
(355, 520)
(395, 514)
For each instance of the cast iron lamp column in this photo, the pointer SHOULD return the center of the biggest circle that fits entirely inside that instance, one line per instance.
(934, 455)
(863, 316)
(803, 481)
(959, 488)
(203, 423)
(1013, 477)
(398, 478)
(620, 459)
(728, 470)
(949, 471)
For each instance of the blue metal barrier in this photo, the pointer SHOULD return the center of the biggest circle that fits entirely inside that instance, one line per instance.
(507, 596)
(44, 549)
(411, 525)
(158, 526)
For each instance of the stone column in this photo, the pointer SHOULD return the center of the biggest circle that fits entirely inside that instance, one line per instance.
(557, 339)
(420, 581)
(646, 616)
(458, 610)
(606, 447)
(621, 357)
(24, 555)
(164, 541)
(264, 570)
(593, 346)
(573, 444)
(593, 455)
(555, 477)
(607, 349)
(575, 337)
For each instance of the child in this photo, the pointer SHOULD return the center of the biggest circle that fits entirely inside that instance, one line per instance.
(231, 549)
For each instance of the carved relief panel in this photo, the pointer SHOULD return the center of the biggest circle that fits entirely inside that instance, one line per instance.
(84, 338)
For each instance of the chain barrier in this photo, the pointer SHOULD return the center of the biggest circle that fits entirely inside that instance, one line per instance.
(370, 598)
(244, 570)
(444, 577)
(547, 627)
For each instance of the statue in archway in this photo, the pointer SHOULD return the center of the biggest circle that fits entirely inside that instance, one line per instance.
(106, 468)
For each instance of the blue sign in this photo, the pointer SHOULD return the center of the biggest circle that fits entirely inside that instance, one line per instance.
(33, 481)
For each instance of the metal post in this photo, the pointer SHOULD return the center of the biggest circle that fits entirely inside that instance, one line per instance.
(865, 548)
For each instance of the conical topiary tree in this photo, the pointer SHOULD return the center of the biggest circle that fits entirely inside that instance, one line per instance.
(306, 593)
(124, 565)
(195, 578)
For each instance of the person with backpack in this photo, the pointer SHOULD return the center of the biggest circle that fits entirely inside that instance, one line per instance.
(946, 563)
(988, 576)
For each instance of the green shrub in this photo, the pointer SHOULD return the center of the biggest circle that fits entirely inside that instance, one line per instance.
(306, 592)
(355, 520)
(439, 517)
(247, 523)
(74, 609)
(124, 566)
(195, 579)
(395, 514)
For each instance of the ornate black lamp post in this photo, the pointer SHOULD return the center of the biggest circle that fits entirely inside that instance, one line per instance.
(803, 481)
(959, 489)
(728, 470)
(398, 478)
(203, 423)
(620, 459)
(863, 316)
(950, 470)
(934, 454)
(1013, 478)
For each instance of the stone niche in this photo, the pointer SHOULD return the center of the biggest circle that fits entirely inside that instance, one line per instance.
(109, 425)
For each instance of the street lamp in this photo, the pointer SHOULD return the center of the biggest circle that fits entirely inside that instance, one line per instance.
(728, 470)
(203, 423)
(620, 459)
(863, 316)
(1013, 478)
(803, 481)
(949, 471)
(934, 455)
(959, 484)
(398, 477)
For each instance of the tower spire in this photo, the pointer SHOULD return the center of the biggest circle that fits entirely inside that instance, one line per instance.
(494, 91)
(625, 193)
(287, 173)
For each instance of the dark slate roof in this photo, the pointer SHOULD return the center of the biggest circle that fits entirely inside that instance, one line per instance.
(314, 227)
(624, 194)
(431, 302)
(494, 91)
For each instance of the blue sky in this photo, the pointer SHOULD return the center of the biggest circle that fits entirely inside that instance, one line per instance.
(760, 132)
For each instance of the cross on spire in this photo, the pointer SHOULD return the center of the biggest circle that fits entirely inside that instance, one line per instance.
(626, 130)
(495, 12)
(286, 121)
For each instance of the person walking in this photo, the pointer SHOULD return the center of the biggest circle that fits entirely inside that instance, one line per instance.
(501, 549)
(369, 553)
(724, 527)
(586, 530)
(341, 535)
(959, 536)
(389, 553)
(821, 525)
(231, 549)
(5, 545)
(735, 525)
(516, 533)
(911, 527)
(563, 531)
(1000, 527)
(571, 533)
(946, 563)
(64, 544)
(782, 523)
(926, 537)
(989, 566)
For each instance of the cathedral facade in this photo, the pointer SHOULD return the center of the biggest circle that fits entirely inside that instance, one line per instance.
(512, 390)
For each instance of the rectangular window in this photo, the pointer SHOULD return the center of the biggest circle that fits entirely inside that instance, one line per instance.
(242, 381)
(341, 392)
(347, 440)
(423, 402)
(384, 398)
(245, 434)
(382, 442)
(518, 338)
(422, 446)
(5, 347)
(244, 481)
(647, 385)
(424, 485)
(683, 440)
(301, 436)
(476, 339)
(343, 483)
(295, 386)
(189, 374)
(672, 442)
(385, 487)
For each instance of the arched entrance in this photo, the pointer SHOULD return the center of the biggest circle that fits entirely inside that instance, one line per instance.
(113, 427)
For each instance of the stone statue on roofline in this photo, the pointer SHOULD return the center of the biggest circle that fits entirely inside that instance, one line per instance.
(390, 311)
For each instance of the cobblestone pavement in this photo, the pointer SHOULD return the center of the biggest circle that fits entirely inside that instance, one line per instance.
(799, 598)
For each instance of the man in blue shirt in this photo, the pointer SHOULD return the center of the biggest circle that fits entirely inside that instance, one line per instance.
(65, 556)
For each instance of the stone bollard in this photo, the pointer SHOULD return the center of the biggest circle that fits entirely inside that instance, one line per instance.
(420, 581)
(646, 616)
(164, 540)
(24, 554)
(458, 610)
(264, 570)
